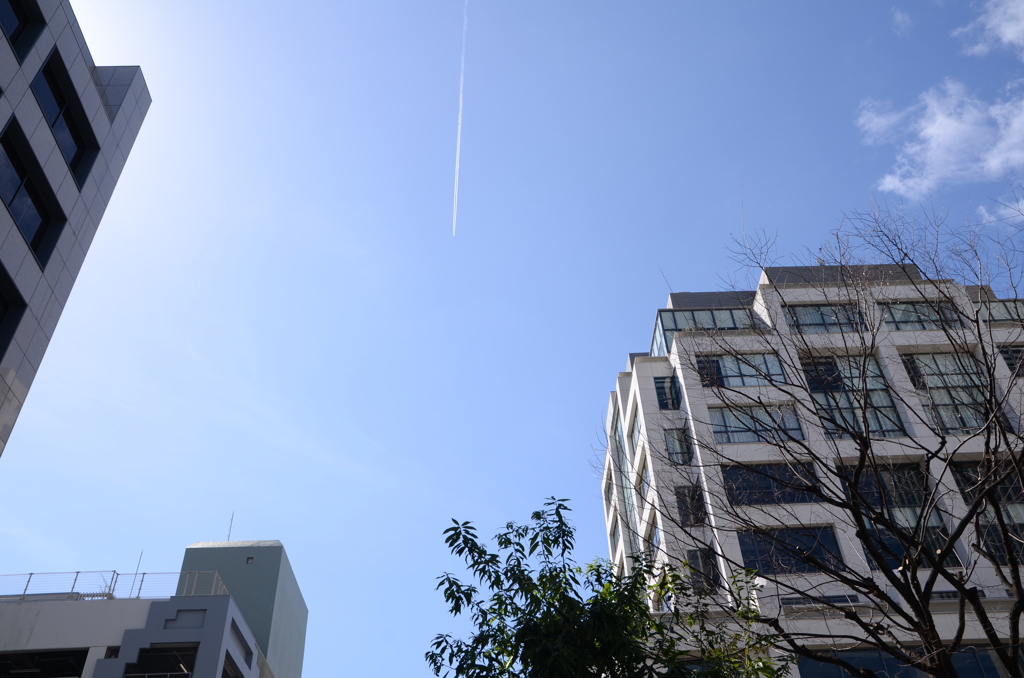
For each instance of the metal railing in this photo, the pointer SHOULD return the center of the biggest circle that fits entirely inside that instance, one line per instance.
(107, 585)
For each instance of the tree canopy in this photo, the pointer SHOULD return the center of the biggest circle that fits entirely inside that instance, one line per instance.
(537, 614)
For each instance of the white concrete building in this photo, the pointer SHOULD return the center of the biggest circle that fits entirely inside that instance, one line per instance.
(687, 475)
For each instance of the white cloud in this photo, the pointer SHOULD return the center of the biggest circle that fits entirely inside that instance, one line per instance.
(1001, 24)
(949, 137)
(901, 22)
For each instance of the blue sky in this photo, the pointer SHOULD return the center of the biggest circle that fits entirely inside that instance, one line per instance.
(275, 320)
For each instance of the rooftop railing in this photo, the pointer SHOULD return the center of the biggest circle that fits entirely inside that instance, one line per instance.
(107, 585)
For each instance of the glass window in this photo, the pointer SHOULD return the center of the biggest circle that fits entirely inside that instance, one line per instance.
(972, 662)
(824, 319)
(59, 117)
(899, 491)
(615, 534)
(1014, 357)
(849, 392)
(12, 19)
(670, 322)
(609, 488)
(621, 468)
(950, 388)
(652, 543)
(679, 444)
(790, 550)
(920, 315)
(643, 483)
(755, 369)
(1010, 310)
(759, 484)
(703, 569)
(634, 431)
(19, 193)
(1009, 500)
(690, 502)
(670, 396)
(755, 424)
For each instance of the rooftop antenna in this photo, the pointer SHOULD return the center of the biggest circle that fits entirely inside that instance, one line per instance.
(137, 566)
(231, 525)
(458, 135)
(666, 281)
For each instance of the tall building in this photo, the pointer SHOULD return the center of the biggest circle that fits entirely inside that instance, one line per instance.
(734, 443)
(199, 623)
(68, 126)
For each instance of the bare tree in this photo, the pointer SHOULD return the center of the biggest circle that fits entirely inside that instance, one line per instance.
(850, 430)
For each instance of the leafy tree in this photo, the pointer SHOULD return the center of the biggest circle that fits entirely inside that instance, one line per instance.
(539, 615)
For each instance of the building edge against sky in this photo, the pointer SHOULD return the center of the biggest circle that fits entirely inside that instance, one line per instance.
(668, 432)
(68, 127)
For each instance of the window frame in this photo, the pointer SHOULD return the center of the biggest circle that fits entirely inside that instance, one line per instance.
(835, 403)
(54, 77)
(724, 432)
(672, 320)
(30, 26)
(652, 541)
(903, 485)
(691, 505)
(765, 487)
(1010, 493)
(702, 564)
(755, 545)
(687, 450)
(854, 319)
(669, 392)
(634, 430)
(961, 402)
(1015, 317)
(931, 315)
(1013, 356)
(644, 480)
(712, 370)
(44, 240)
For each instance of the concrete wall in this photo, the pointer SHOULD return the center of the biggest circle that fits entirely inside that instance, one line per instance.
(215, 622)
(69, 624)
(260, 579)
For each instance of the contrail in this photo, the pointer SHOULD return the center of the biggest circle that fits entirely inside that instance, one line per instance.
(458, 136)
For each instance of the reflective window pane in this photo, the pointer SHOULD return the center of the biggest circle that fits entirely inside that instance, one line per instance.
(65, 139)
(26, 214)
(759, 484)
(755, 424)
(679, 445)
(47, 98)
(10, 180)
(11, 20)
(792, 550)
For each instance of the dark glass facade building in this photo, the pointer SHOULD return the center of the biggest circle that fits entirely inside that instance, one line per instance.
(66, 129)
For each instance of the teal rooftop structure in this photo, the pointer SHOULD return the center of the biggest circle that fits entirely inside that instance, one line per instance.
(262, 584)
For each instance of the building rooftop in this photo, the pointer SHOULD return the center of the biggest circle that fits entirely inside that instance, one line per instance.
(234, 544)
(700, 300)
(803, 275)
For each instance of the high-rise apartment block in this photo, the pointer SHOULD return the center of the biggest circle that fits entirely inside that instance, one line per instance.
(66, 129)
(760, 417)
